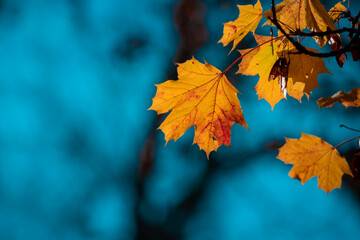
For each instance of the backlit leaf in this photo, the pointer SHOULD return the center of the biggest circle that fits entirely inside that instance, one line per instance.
(201, 97)
(248, 20)
(311, 157)
(288, 15)
(302, 73)
(301, 14)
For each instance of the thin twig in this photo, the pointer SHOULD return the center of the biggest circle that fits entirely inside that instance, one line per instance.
(346, 141)
(321, 34)
(352, 129)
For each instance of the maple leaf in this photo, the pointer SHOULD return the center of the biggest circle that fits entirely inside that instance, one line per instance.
(318, 19)
(311, 157)
(302, 70)
(248, 20)
(351, 99)
(260, 61)
(288, 15)
(201, 97)
(336, 11)
(299, 14)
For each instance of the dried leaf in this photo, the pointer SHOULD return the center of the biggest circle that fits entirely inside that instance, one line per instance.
(202, 97)
(311, 157)
(351, 99)
(280, 70)
(334, 41)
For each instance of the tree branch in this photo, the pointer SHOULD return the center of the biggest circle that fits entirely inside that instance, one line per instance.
(321, 34)
(302, 50)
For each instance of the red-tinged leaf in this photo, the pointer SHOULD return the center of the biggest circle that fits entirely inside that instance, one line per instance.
(201, 97)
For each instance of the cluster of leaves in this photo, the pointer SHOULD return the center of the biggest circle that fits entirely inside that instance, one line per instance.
(203, 97)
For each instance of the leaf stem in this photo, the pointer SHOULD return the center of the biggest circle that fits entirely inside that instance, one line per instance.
(346, 141)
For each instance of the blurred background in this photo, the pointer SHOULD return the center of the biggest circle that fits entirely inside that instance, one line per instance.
(79, 154)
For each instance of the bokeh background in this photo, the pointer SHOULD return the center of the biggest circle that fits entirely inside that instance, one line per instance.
(79, 154)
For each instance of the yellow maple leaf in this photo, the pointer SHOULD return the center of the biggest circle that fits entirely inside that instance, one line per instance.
(311, 157)
(305, 69)
(288, 15)
(299, 14)
(351, 99)
(260, 61)
(336, 11)
(248, 20)
(201, 97)
(302, 74)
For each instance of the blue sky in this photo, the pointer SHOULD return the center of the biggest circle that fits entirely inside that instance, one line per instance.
(77, 78)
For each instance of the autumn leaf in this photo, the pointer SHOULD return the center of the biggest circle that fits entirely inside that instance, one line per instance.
(301, 14)
(288, 15)
(351, 99)
(311, 157)
(259, 61)
(305, 69)
(201, 97)
(336, 11)
(318, 20)
(302, 73)
(248, 20)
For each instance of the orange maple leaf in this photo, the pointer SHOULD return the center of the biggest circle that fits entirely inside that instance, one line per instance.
(351, 99)
(299, 14)
(311, 157)
(202, 97)
(302, 74)
(248, 20)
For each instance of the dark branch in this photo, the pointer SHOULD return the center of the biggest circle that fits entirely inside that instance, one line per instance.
(353, 24)
(302, 50)
(321, 34)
